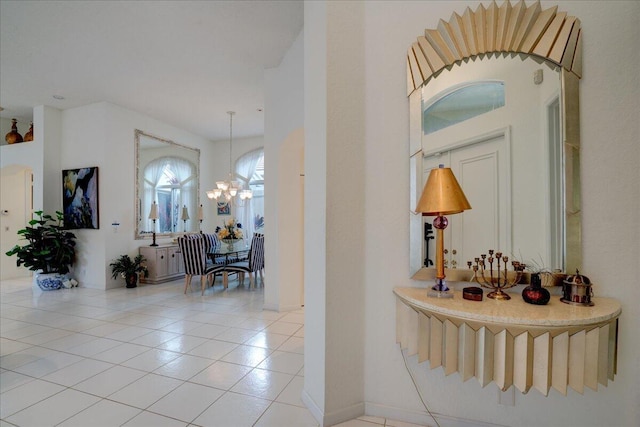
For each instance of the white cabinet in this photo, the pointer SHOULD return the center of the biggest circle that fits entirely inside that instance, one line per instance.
(163, 262)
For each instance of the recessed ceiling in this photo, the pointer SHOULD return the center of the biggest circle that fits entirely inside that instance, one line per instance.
(185, 63)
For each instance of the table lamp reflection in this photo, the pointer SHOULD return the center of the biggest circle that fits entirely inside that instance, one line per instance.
(441, 196)
(185, 216)
(153, 215)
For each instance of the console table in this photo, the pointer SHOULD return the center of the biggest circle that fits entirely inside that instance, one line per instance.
(511, 342)
(164, 263)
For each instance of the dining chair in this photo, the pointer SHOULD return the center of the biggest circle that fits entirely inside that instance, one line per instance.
(195, 261)
(211, 243)
(255, 263)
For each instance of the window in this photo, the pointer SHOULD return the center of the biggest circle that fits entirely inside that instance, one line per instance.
(250, 170)
(171, 182)
(462, 104)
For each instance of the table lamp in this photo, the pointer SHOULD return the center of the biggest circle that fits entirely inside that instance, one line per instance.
(441, 196)
(185, 216)
(154, 216)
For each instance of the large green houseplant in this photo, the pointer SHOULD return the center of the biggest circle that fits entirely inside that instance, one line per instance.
(49, 251)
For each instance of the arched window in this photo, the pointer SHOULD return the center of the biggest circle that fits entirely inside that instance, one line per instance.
(171, 182)
(462, 104)
(250, 170)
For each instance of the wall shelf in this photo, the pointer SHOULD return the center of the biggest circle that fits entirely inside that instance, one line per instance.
(511, 342)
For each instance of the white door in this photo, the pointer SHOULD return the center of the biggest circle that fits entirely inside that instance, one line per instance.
(15, 203)
(482, 170)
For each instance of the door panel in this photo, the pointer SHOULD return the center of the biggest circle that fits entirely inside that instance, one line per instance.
(482, 169)
(15, 199)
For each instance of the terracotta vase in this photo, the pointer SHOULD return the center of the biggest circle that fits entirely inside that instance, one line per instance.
(535, 293)
(13, 137)
(29, 135)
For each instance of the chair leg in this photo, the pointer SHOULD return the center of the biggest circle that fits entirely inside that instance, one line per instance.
(225, 279)
(187, 282)
(251, 281)
(202, 283)
(241, 278)
(261, 278)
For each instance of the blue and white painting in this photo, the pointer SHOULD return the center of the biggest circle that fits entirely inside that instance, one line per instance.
(80, 198)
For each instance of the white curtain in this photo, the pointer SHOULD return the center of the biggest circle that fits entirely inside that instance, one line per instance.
(152, 175)
(185, 174)
(245, 168)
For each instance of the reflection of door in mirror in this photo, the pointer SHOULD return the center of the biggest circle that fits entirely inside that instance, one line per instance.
(483, 171)
(504, 159)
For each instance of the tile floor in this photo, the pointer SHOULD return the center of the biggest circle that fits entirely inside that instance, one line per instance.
(151, 356)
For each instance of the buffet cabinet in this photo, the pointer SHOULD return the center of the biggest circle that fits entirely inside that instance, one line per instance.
(164, 263)
(511, 342)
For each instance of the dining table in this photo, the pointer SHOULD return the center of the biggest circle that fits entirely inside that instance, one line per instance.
(227, 253)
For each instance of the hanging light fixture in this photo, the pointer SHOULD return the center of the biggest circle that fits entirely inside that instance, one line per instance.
(225, 191)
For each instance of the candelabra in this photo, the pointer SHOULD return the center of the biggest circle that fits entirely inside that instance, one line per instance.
(498, 278)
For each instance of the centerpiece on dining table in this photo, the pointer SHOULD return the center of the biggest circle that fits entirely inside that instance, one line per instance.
(230, 233)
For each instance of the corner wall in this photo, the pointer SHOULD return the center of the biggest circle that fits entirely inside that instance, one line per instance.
(336, 235)
(284, 108)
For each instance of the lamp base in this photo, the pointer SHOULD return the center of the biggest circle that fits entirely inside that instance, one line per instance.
(440, 290)
(440, 294)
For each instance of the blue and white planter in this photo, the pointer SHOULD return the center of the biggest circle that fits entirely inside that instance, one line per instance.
(50, 281)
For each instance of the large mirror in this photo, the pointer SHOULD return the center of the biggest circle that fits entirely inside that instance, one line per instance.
(167, 173)
(506, 124)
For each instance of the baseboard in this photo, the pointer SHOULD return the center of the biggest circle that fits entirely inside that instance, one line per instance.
(421, 417)
(311, 405)
(344, 414)
(279, 309)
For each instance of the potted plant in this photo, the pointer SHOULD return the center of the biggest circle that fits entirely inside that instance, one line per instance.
(50, 250)
(129, 269)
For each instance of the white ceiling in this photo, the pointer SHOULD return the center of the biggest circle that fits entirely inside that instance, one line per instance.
(185, 63)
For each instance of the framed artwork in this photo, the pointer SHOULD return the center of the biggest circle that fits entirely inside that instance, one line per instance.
(80, 198)
(224, 208)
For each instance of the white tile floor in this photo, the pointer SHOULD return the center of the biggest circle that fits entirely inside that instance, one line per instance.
(151, 356)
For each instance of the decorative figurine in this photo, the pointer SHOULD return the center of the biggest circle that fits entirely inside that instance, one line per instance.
(535, 293)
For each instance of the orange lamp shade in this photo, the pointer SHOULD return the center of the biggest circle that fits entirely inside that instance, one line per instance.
(442, 195)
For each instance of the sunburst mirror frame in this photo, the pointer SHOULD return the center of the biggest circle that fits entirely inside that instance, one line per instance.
(514, 30)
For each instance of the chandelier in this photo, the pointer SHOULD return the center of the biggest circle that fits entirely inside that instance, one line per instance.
(226, 191)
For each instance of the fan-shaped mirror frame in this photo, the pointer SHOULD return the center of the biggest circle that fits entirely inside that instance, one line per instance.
(515, 30)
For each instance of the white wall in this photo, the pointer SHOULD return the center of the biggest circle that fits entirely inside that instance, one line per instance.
(283, 137)
(102, 135)
(336, 169)
(315, 207)
(369, 44)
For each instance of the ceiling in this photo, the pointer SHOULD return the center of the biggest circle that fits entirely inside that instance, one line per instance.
(185, 63)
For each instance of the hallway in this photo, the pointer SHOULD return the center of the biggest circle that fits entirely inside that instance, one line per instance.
(151, 357)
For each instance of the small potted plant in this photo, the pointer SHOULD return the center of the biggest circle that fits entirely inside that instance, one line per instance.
(50, 251)
(129, 269)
